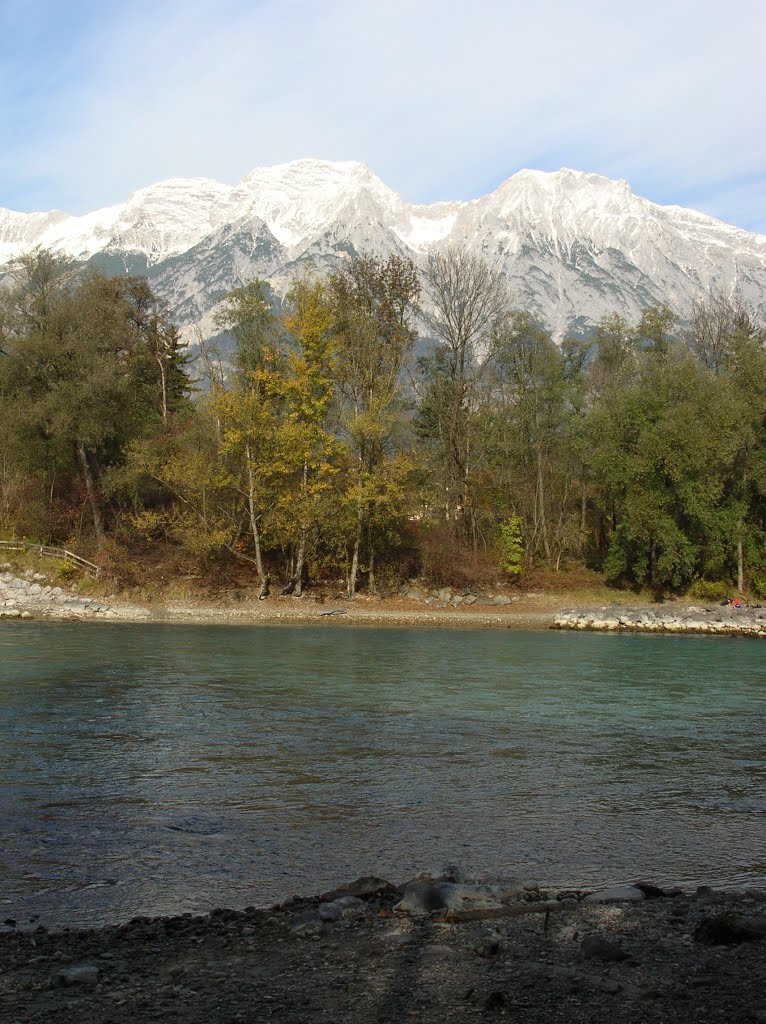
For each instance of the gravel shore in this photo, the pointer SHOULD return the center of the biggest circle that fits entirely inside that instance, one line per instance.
(363, 954)
(360, 612)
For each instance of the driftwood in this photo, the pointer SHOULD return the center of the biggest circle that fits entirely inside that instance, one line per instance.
(488, 913)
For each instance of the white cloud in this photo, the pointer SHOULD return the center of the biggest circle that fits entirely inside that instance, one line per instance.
(442, 99)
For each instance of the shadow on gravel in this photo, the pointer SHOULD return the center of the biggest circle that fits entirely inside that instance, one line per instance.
(401, 996)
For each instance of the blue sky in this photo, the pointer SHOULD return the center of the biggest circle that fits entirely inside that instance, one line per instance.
(443, 99)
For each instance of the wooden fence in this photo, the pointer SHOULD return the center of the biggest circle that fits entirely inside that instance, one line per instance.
(44, 549)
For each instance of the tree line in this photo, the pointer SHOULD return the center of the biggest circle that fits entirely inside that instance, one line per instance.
(382, 423)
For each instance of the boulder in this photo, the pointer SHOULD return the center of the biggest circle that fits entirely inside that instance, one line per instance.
(617, 894)
(729, 929)
(368, 885)
(344, 908)
(307, 926)
(420, 899)
(77, 974)
(457, 896)
(487, 943)
(650, 890)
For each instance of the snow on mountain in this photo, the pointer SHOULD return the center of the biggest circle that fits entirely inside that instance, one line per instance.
(171, 217)
(158, 221)
(574, 246)
(298, 200)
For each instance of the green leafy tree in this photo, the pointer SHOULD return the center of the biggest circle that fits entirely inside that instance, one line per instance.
(661, 445)
(311, 449)
(533, 440)
(76, 374)
(247, 314)
(728, 343)
(373, 303)
(511, 547)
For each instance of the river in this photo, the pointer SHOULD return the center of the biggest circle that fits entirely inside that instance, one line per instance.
(150, 769)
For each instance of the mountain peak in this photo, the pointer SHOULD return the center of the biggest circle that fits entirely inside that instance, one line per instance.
(562, 182)
(310, 171)
(573, 245)
(298, 199)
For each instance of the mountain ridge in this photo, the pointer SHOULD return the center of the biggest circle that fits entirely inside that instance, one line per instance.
(573, 245)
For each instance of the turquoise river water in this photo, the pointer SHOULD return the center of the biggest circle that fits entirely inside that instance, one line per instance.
(148, 769)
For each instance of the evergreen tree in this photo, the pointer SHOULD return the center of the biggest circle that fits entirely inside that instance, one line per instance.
(76, 378)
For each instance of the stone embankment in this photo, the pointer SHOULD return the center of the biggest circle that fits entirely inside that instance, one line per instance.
(30, 597)
(717, 620)
(447, 597)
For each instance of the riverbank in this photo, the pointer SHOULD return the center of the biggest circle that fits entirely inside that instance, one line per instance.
(34, 596)
(438, 949)
(713, 620)
(31, 595)
(359, 612)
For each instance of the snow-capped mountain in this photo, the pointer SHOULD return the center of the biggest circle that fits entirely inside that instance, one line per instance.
(574, 246)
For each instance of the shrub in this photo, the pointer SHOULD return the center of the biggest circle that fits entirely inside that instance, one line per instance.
(758, 581)
(709, 590)
(447, 560)
(66, 571)
(511, 547)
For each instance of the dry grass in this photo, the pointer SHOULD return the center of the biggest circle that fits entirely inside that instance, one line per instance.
(157, 573)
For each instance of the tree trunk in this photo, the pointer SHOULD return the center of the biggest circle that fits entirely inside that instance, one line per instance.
(653, 564)
(740, 567)
(541, 493)
(289, 587)
(302, 531)
(357, 540)
(164, 386)
(254, 526)
(354, 568)
(90, 490)
(299, 563)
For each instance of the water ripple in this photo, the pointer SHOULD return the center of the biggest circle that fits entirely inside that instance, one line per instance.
(156, 769)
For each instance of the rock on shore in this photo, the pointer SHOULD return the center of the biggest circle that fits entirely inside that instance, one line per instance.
(440, 948)
(446, 597)
(717, 621)
(30, 596)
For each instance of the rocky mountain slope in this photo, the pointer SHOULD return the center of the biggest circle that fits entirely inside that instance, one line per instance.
(574, 246)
